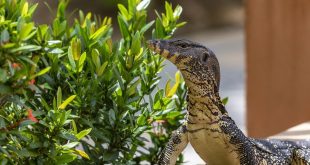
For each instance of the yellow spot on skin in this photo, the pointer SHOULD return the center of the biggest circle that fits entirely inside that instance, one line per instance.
(165, 53)
(157, 49)
(174, 57)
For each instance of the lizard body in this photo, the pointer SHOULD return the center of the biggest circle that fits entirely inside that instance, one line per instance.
(208, 127)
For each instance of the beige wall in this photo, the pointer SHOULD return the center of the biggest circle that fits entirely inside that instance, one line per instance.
(278, 65)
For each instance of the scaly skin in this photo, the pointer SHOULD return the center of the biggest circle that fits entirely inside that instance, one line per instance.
(212, 133)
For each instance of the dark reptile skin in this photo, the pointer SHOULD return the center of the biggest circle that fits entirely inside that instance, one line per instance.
(201, 72)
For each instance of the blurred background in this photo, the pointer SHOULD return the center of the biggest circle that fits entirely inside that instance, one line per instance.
(218, 25)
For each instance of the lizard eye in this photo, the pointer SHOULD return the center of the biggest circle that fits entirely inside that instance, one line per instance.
(204, 57)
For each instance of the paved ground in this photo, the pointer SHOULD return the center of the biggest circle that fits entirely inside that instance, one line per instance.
(228, 45)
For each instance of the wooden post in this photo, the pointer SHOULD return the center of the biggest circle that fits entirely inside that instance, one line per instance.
(278, 65)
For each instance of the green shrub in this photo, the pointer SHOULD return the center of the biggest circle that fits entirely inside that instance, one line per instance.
(63, 86)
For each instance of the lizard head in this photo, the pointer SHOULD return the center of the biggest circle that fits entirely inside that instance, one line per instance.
(197, 63)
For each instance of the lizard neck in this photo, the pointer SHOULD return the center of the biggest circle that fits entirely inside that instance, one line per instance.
(204, 103)
(211, 129)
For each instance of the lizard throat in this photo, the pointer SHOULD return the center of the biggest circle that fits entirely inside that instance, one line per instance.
(204, 108)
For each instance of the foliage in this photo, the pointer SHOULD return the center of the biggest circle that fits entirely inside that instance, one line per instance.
(63, 86)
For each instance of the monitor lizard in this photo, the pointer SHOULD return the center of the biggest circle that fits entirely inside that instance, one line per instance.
(208, 127)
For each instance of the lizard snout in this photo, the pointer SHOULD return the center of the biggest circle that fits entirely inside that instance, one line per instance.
(162, 47)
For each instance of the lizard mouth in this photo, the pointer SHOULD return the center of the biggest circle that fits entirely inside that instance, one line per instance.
(158, 46)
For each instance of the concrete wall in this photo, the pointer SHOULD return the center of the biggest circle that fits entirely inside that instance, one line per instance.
(278, 65)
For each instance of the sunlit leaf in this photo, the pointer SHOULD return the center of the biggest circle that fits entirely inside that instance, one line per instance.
(76, 48)
(177, 11)
(41, 72)
(26, 48)
(102, 68)
(59, 96)
(83, 133)
(176, 85)
(71, 58)
(95, 58)
(25, 9)
(136, 44)
(81, 61)
(25, 30)
(65, 158)
(101, 31)
(123, 26)
(82, 154)
(124, 11)
(141, 120)
(146, 27)
(225, 100)
(66, 102)
(167, 87)
(143, 5)
(70, 145)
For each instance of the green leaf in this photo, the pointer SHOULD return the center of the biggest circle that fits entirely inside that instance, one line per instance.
(81, 61)
(123, 27)
(96, 58)
(132, 88)
(53, 43)
(177, 11)
(139, 130)
(180, 24)
(136, 44)
(35, 145)
(42, 32)
(8, 45)
(25, 153)
(82, 154)
(119, 78)
(5, 36)
(83, 133)
(124, 11)
(3, 76)
(100, 32)
(66, 102)
(26, 122)
(67, 136)
(32, 9)
(70, 145)
(2, 122)
(102, 68)
(108, 156)
(225, 100)
(59, 96)
(159, 29)
(25, 30)
(141, 120)
(167, 87)
(143, 5)
(146, 27)
(41, 72)
(74, 126)
(26, 48)
(169, 11)
(62, 117)
(4, 89)
(76, 48)
(112, 116)
(176, 85)
(25, 9)
(71, 59)
(65, 158)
